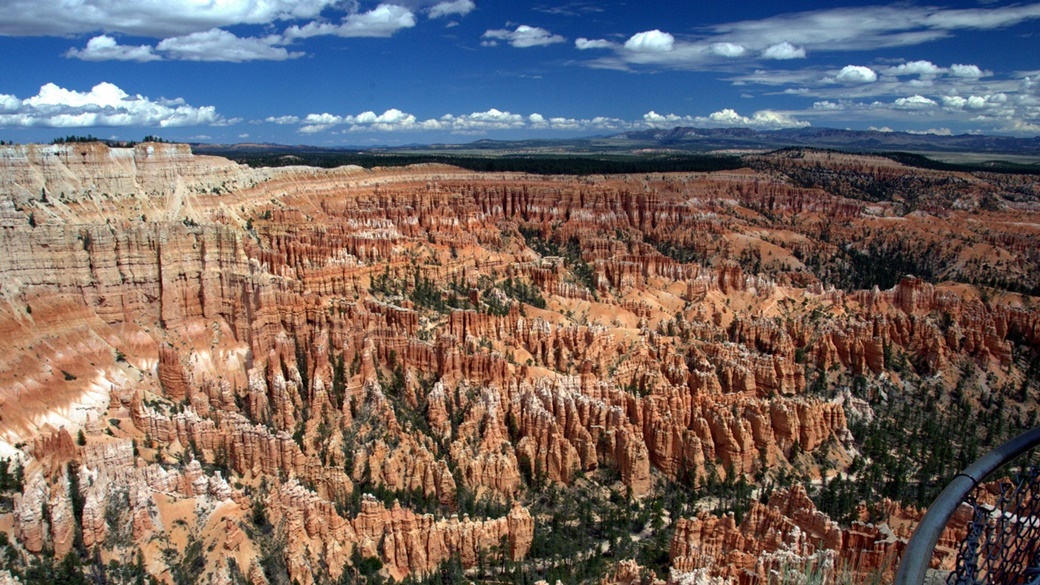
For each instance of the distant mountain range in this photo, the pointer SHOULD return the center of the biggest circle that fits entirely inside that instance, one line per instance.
(858, 140)
(687, 140)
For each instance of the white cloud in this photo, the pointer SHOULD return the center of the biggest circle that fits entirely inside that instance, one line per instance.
(1006, 109)
(975, 102)
(856, 74)
(871, 27)
(1022, 127)
(524, 36)
(650, 41)
(784, 50)
(282, 120)
(152, 18)
(933, 131)
(583, 44)
(728, 117)
(828, 105)
(323, 119)
(393, 119)
(922, 68)
(960, 104)
(966, 71)
(883, 81)
(382, 21)
(105, 48)
(914, 102)
(982, 18)
(314, 128)
(468, 124)
(105, 105)
(728, 49)
(220, 45)
(459, 7)
(792, 36)
(9, 103)
(654, 119)
(609, 123)
(492, 118)
(762, 119)
(212, 45)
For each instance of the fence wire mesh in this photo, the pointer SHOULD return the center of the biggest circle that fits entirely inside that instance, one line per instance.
(1002, 545)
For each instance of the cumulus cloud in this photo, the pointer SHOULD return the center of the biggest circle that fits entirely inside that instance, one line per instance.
(650, 41)
(454, 7)
(474, 123)
(933, 131)
(856, 74)
(524, 36)
(151, 19)
(314, 128)
(760, 119)
(858, 81)
(105, 105)
(975, 102)
(498, 120)
(220, 45)
(966, 71)
(583, 44)
(914, 102)
(728, 49)
(654, 119)
(726, 118)
(382, 21)
(105, 48)
(977, 105)
(1000, 111)
(784, 50)
(492, 119)
(325, 119)
(828, 105)
(922, 68)
(392, 119)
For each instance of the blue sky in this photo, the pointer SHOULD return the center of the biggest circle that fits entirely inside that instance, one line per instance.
(329, 72)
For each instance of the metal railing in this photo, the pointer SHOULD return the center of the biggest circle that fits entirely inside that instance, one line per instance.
(1003, 541)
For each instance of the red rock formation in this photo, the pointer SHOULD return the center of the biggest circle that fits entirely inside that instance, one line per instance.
(292, 327)
(629, 572)
(171, 374)
(785, 534)
(406, 542)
